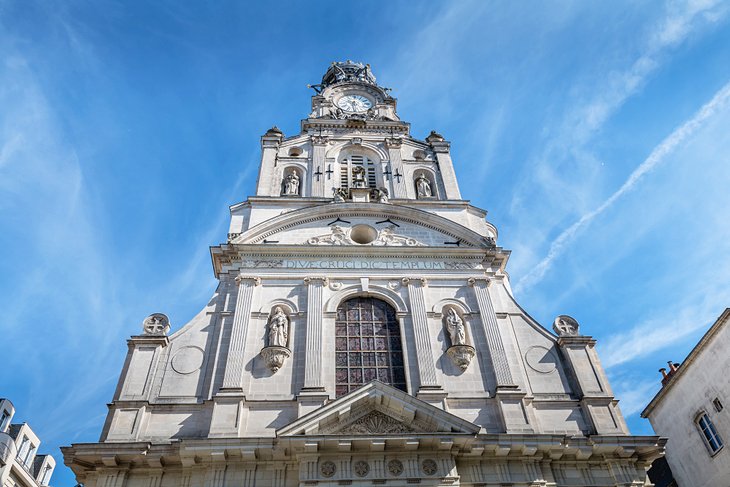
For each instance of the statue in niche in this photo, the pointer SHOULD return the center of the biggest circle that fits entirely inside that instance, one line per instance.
(358, 177)
(565, 325)
(278, 328)
(339, 195)
(423, 186)
(291, 184)
(379, 195)
(455, 325)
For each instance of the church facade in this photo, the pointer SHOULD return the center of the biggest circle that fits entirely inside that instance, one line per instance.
(363, 332)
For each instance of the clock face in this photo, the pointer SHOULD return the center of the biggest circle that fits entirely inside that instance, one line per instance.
(354, 103)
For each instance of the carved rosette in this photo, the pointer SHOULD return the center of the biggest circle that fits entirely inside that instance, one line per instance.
(461, 355)
(275, 357)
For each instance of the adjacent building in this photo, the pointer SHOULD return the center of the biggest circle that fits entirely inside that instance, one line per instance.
(690, 410)
(20, 463)
(363, 332)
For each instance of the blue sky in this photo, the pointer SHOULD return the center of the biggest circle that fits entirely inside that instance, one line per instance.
(595, 133)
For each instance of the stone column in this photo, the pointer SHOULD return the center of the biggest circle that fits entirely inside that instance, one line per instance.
(233, 376)
(491, 330)
(397, 189)
(321, 188)
(313, 357)
(424, 352)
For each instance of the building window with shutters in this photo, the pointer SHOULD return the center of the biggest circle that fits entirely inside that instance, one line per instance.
(347, 170)
(709, 433)
(367, 345)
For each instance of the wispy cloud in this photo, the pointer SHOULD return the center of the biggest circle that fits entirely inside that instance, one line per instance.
(657, 156)
(566, 175)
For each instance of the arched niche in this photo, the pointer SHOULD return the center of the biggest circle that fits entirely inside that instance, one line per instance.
(292, 180)
(427, 190)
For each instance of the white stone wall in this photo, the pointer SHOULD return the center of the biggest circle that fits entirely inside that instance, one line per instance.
(674, 417)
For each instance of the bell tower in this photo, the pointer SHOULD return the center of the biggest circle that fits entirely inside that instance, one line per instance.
(354, 147)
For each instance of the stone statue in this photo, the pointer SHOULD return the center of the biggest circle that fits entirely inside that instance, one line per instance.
(379, 195)
(423, 186)
(291, 184)
(358, 177)
(456, 329)
(278, 328)
(565, 325)
(339, 195)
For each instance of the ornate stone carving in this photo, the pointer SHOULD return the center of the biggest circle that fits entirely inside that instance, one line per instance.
(379, 195)
(265, 264)
(395, 467)
(386, 238)
(423, 187)
(275, 356)
(291, 184)
(461, 355)
(361, 468)
(339, 195)
(455, 326)
(327, 469)
(358, 177)
(278, 328)
(375, 422)
(429, 467)
(156, 324)
(241, 277)
(565, 326)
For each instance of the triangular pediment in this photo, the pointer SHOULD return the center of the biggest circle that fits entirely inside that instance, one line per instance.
(377, 409)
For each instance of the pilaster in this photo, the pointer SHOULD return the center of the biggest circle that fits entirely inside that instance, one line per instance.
(429, 385)
(497, 353)
(313, 384)
(397, 188)
(322, 187)
(233, 375)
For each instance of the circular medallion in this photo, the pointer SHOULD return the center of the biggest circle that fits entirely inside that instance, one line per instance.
(429, 467)
(361, 468)
(327, 469)
(541, 359)
(395, 467)
(187, 360)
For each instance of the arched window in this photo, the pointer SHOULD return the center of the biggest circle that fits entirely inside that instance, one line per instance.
(367, 345)
(357, 160)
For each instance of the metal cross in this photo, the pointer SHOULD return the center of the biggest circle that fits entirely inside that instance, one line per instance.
(387, 173)
(329, 171)
(397, 175)
(318, 173)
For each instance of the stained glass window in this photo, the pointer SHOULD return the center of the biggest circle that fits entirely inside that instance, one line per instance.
(367, 345)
